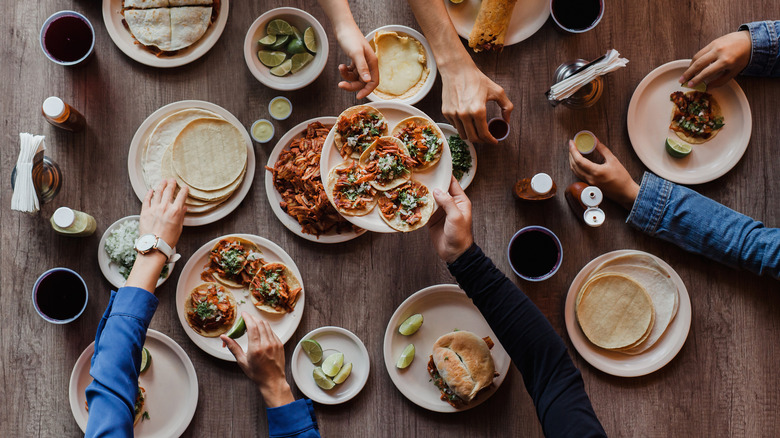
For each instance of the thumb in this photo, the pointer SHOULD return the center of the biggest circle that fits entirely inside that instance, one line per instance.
(234, 348)
(446, 201)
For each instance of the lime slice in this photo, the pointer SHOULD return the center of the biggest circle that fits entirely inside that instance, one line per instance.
(299, 61)
(146, 359)
(267, 40)
(282, 69)
(295, 46)
(343, 374)
(297, 33)
(281, 42)
(701, 86)
(310, 40)
(406, 358)
(332, 364)
(238, 329)
(313, 349)
(322, 380)
(279, 27)
(270, 58)
(677, 149)
(411, 325)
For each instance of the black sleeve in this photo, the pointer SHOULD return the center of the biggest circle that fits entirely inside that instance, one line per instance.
(552, 380)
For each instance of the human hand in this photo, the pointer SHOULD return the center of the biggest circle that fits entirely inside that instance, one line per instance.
(451, 231)
(362, 75)
(719, 61)
(263, 361)
(611, 177)
(161, 215)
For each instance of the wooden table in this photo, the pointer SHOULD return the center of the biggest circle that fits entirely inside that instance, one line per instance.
(723, 382)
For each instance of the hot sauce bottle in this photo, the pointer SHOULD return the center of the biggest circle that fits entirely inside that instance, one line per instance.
(584, 201)
(538, 188)
(62, 115)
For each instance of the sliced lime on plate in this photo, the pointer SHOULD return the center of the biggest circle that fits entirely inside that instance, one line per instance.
(346, 370)
(281, 42)
(677, 149)
(238, 329)
(406, 358)
(146, 359)
(282, 69)
(313, 349)
(701, 86)
(411, 325)
(299, 61)
(297, 33)
(322, 380)
(310, 39)
(332, 364)
(279, 27)
(271, 58)
(267, 40)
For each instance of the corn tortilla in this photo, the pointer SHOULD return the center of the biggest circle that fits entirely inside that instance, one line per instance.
(209, 154)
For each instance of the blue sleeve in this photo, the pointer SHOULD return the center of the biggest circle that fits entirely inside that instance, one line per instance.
(702, 226)
(550, 377)
(765, 54)
(117, 359)
(294, 419)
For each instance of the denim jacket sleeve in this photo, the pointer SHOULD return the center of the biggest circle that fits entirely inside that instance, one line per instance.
(765, 55)
(702, 226)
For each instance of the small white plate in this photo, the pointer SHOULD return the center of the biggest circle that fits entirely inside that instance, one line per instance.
(437, 176)
(444, 307)
(467, 177)
(527, 17)
(171, 386)
(430, 62)
(136, 152)
(110, 269)
(649, 116)
(275, 198)
(626, 365)
(332, 340)
(284, 325)
(123, 39)
(301, 20)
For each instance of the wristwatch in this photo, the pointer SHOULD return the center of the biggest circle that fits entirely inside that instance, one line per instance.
(149, 242)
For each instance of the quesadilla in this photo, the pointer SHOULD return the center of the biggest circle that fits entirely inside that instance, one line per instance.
(422, 138)
(357, 128)
(169, 29)
(210, 309)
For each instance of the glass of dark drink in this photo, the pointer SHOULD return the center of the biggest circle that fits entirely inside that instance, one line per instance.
(67, 38)
(535, 253)
(60, 295)
(498, 128)
(577, 16)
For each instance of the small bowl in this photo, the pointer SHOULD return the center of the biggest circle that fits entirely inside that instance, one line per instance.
(555, 240)
(501, 121)
(252, 131)
(270, 111)
(46, 24)
(566, 29)
(35, 296)
(301, 20)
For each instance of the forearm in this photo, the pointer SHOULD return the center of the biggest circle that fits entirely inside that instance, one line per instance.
(339, 14)
(765, 52)
(146, 271)
(447, 48)
(295, 419)
(276, 392)
(702, 226)
(552, 380)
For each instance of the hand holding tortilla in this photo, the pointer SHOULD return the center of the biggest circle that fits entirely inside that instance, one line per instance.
(719, 61)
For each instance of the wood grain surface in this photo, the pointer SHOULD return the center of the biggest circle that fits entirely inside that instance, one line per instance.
(724, 382)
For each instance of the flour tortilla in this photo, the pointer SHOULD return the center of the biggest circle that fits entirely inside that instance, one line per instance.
(330, 186)
(289, 277)
(190, 2)
(213, 333)
(638, 258)
(151, 27)
(716, 112)
(188, 24)
(209, 154)
(338, 141)
(401, 62)
(168, 172)
(422, 121)
(145, 4)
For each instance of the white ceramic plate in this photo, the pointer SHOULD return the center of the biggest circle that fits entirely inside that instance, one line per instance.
(136, 152)
(437, 176)
(527, 17)
(284, 325)
(332, 340)
(274, 197)
(649, 116)
(626, 365)
(444, 307)
(112, 17)
(110, 269)
(301, 20)
(467, 177)
(170, 382)
(430, 62)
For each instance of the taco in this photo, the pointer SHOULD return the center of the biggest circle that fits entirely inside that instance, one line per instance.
(210, 309)
(389, 163)
(356, 128)
(422, 138)
(349, 186)
(233, 262)
(696, 116)
(275, 289)
(407, 207)
(139, 410)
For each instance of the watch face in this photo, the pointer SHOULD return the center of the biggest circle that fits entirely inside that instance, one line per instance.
(145, 242)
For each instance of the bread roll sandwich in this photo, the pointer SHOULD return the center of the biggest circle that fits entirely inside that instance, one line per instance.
(461, 366)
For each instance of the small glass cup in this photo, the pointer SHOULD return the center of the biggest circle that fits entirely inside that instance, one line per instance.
(256, 131)
(576, 16)
(60, 295)
(498, 128)
(280, 108)
(69, 38)
(535, 253)
(585, 141)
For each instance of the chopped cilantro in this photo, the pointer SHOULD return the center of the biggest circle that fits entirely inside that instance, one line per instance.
(461, 157)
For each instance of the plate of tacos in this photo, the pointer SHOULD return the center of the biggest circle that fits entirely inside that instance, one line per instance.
(233, 274)
(390, 151)
(716, 124)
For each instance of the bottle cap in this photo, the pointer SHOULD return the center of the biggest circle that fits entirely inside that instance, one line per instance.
(594, 217)
(64, 217)
(591, 196)
(53, 107)
(541, 183)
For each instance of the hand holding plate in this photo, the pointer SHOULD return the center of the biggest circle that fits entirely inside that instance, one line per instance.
(719, 61)
(611, 177)
(451, 234)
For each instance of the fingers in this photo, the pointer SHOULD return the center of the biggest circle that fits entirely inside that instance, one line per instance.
(178, 204)
(446, 202)
(373, 67)
(148, 199)
(455, 188)
(701, 69)
(481, 125)
(234, 348)
(500, 97)
(167, 195)
(579, 162)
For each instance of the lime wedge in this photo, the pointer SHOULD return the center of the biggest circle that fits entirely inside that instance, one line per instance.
(238, 329)
(701, 86)
(282, 69)
(267, 40)
(279, 27)
(299, 61)
(270, 58)
(343, 374)
(281, 42)
(313, 349)
(411, 325)
(406, 358)
(332, 364)
(322, 380)
(146, 359)
(297, 33)
(677, 149)
(295, 46)
(310, 40)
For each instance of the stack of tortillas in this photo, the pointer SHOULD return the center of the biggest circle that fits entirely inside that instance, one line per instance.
(200, 150)
(627, 303)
